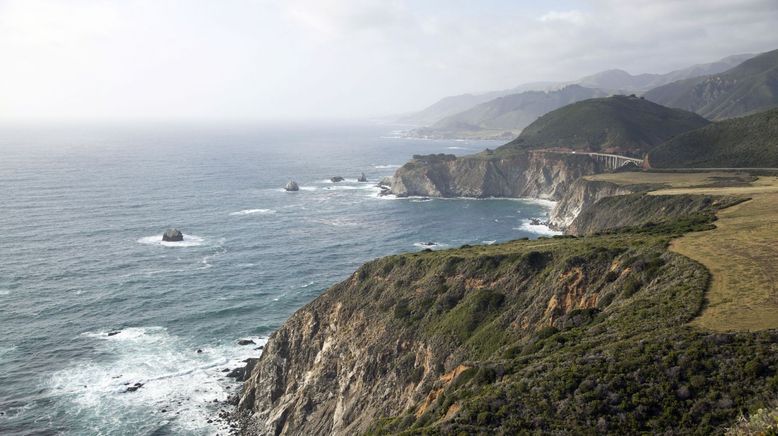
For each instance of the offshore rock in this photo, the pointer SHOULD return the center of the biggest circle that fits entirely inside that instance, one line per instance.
(292, 186)
(173, 235)
(362, 178)
(336, 179)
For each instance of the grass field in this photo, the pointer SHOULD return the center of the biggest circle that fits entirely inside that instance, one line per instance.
(741, 253)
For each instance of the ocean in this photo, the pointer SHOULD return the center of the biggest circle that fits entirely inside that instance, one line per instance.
(92, 302)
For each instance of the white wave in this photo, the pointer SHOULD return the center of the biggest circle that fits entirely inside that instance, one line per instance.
(431, 245)
(175, 377)
(386, 167)
(189, 241)
(548, 204)
(338, 222)
(307, 285)
(253, 212)
(538, 229)
(489, 242)
(420, 200)
(457, 148)
(4, 292)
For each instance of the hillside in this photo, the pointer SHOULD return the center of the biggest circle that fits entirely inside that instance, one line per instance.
(620, 124)
(577, 335)
(747, 88)
(747, 142)
(506, 116)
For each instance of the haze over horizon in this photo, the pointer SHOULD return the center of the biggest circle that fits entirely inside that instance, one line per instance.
(272, 59)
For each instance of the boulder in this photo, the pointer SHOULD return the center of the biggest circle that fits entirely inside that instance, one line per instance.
(173, 235)
(292, 186)
(336, 179)
(362, 178)
(134, 387)
(246, 342)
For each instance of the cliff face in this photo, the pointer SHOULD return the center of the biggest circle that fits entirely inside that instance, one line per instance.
(548, 336)
(645, 211)
(537, 174)
(579, 196)
(400, 329)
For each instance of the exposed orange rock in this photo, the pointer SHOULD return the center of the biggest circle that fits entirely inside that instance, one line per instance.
(452, 410)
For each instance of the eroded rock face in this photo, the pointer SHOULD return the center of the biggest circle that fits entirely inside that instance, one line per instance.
(292, 186)
(355, 354)
(537, 174)
(173, 235)
(580, 195)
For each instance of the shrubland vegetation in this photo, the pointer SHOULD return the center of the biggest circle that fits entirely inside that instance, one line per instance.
(747, 142)
(576, 335)
(621, 124)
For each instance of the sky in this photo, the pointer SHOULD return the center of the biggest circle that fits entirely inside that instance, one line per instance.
(325, 59)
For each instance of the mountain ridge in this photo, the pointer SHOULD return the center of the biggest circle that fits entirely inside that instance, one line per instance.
(747, 88)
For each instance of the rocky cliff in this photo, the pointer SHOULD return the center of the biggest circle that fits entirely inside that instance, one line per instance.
(581, 195)
(537, 174)
(576, 335)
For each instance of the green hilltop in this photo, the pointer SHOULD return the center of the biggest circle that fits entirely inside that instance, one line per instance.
(748, 88)
(620, 124)
(747, 142)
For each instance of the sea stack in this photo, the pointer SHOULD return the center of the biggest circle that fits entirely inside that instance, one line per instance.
(362, 178)
(173, 235)
(292, 186)
(336, 179)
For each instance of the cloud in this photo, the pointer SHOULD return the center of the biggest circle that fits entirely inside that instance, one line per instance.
(350, 58)
(573, 17)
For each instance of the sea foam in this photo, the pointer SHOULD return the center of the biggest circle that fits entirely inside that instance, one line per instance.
(175, 377)
(189, 241)
(253, 212)
(538, 229)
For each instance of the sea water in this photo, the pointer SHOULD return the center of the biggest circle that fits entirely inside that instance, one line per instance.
(93, 302)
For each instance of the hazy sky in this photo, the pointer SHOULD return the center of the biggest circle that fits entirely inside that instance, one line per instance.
(275, 59)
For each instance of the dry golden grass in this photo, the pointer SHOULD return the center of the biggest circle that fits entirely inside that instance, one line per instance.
(741, 252)
(676, 180)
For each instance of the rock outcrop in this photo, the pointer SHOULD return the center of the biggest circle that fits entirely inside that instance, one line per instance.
(292, 186)
(581, 195)
(362, 178)
(536, 174)
(551, 337)
(336, 179)
(363, 349)
(173, 235)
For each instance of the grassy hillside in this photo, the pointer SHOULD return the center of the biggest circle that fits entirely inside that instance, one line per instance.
(740, 251)
(581, 335)
(747, 142)
(750, 87)
(619, 124)
(643, 212)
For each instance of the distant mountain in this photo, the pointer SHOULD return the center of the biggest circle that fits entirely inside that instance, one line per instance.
(747, 142)
(627, 83)
(747, 88)
(611, 81)
(504, 117)
(448, 106)
(618, 124)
